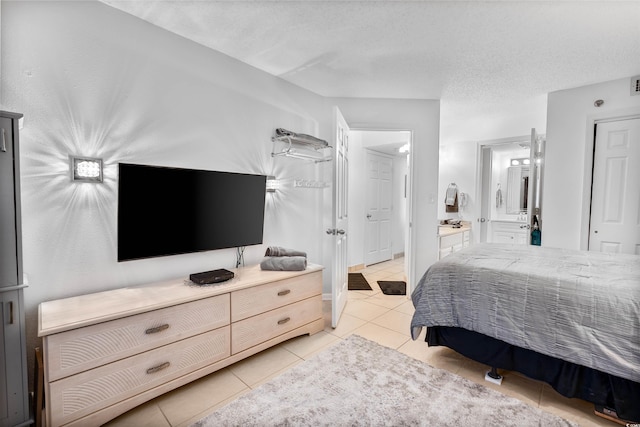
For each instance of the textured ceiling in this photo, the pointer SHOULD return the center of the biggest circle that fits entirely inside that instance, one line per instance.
(462, 52)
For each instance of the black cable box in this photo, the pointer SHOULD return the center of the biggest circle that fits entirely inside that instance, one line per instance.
(213, 276)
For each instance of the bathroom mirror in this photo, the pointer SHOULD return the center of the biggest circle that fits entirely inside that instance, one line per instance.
(517, 189)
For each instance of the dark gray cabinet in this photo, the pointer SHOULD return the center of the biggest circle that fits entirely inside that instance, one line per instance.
(14, 402)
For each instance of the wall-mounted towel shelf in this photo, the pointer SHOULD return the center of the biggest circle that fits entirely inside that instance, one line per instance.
(300, 147)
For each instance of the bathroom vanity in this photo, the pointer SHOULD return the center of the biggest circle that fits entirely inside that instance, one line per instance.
(452, 239)
(515, 232)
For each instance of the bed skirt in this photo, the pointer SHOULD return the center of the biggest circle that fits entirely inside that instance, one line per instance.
(568, 379)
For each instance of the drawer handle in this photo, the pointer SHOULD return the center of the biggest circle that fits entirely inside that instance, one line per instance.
(283, 293)
(158, 368)
(157, 329)
(283, 321)
(4, 142)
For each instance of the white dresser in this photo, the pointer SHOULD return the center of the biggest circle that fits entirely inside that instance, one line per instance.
(107, 352)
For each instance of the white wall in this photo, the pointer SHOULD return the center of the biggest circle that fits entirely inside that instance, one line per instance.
(476, 121)
(568, 159)
(461, 135)
(94, 81)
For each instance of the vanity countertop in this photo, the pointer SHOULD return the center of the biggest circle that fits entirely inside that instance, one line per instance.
(446, 230)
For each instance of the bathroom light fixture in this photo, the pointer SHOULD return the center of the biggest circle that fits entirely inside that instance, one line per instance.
(521, 161)
(272, 184)
(85, 169)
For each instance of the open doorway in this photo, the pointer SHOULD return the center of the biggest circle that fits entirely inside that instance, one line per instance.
(379, 196)
(509, 189)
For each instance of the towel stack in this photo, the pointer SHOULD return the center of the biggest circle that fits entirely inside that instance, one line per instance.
(302, 137)
(282, 259)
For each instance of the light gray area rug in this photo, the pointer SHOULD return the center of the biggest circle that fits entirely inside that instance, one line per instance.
(360, 383)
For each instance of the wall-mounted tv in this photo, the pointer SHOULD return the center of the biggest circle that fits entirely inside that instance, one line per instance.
(169, 211)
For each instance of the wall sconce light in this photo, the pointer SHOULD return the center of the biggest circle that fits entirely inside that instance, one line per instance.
(85, 169)
(272, 184)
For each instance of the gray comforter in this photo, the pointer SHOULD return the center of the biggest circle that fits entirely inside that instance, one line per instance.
(582, 307)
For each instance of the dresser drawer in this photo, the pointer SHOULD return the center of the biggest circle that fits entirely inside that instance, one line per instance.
(257, 329)
(74, 397)
(81, 349)
(249, 302)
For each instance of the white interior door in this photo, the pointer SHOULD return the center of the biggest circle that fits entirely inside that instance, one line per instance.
(536, 168)
(485, 195)
(615, 191)
(339, 231)
(379, 197)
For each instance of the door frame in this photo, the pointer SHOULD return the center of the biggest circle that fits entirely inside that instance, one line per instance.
(409, 259)
(484, 198)
(589, 158)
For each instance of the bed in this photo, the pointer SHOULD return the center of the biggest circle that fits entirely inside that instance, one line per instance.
(569, 318)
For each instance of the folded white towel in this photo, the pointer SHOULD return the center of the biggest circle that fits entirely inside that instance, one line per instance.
(280, 251)
(284, 263)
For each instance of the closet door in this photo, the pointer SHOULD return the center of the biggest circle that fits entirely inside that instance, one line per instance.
(14, 408)
(14, 404)
(615, 194)
(9, 232)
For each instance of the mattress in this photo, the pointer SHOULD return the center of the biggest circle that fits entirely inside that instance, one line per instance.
(579, 306)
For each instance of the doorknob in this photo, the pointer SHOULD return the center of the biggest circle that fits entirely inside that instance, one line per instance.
(340, 231)
(368, 216)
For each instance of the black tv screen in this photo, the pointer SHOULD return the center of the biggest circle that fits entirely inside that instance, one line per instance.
(169, 211)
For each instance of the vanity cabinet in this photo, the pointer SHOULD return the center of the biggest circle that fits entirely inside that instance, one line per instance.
(107, 352)
(451, 240)
(509, 232)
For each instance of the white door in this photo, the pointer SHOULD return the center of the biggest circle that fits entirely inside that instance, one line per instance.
(339, 282)
(379, 169)
(486, 194)
(615, 190)
(536, 168)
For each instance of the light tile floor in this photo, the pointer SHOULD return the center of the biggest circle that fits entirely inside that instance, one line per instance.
(371, 314)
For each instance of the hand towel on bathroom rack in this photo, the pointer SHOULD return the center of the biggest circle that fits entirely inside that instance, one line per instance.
(451, 198)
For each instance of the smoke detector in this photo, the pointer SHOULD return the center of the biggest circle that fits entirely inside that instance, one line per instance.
(635, 85)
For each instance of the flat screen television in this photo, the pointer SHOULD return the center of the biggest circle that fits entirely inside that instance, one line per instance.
(169, 211)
